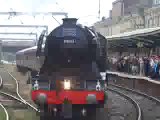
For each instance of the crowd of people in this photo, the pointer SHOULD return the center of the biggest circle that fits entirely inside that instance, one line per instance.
(143, 66)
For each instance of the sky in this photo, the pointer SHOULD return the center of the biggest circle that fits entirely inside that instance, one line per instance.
(85, 10)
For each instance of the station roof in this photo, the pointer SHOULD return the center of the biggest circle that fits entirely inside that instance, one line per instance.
(139, 32)
(149, 37)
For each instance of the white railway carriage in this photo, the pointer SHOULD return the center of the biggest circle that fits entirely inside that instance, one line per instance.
(27, 61)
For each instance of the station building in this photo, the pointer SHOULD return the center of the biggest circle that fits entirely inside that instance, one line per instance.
(132, 31)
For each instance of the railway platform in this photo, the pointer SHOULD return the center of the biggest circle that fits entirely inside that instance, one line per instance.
(125, 75)
(142, 84)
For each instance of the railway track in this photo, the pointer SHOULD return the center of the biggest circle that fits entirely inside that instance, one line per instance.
(130, 109)
(141, 111)
(5, 111)
(149, 105)
(2, 106)
(10, 97)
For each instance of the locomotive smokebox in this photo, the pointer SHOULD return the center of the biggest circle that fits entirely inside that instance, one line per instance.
(69, 21)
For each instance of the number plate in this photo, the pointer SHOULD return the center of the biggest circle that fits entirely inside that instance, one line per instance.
(69, 41)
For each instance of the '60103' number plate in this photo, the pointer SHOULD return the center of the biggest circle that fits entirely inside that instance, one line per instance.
(69, 41)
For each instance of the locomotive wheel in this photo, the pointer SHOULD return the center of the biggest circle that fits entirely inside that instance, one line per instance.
(91, 112)
(49, 114)
(44, 114)
(76, 112)
(44, 117)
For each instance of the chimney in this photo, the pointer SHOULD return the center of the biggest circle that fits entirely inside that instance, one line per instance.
(69, 21)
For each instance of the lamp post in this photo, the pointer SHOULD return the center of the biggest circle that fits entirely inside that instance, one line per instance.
(99, 11)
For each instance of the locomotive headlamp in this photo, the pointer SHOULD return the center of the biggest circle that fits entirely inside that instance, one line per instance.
(67, 84)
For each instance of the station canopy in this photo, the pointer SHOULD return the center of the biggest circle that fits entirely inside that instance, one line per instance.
(148, 37)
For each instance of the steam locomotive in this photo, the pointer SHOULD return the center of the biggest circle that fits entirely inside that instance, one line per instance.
(66, 93)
